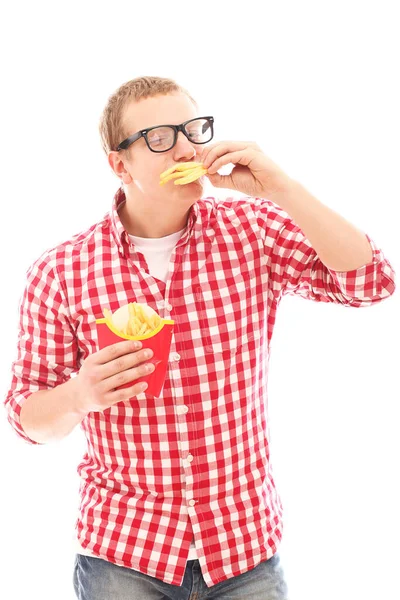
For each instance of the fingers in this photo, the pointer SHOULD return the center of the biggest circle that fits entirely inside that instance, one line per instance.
(214, 151)
(122, 364)
(111, 384)
(115, 351)
(108, 369)
(222, 181)
(236, 158)
(125, 394)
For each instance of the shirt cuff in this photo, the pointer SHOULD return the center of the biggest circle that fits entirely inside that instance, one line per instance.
(14, 415)
(372, 280)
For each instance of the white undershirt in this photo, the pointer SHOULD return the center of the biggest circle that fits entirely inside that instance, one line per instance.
(157, 252)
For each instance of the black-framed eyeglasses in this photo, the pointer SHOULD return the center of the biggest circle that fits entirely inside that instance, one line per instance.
(163, 137)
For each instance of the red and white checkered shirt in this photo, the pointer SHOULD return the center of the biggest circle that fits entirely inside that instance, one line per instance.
(196, 460)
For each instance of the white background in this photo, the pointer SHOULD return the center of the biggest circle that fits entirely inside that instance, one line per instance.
(315, 84)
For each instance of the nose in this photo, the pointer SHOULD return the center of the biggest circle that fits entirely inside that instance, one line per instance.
(183, 149)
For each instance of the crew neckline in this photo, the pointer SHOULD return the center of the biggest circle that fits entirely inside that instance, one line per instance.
(156, 241)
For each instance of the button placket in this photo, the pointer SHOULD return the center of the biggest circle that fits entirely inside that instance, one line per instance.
(174, 357)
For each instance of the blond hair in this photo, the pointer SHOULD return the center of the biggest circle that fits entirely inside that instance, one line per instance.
(110, 126)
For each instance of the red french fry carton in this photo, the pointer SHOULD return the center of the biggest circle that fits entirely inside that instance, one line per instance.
(159, 340)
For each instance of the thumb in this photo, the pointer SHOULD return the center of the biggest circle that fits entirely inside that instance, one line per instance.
(221, 181)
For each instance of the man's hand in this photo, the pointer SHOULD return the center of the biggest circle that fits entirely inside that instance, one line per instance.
(254, 173)
(106, 370)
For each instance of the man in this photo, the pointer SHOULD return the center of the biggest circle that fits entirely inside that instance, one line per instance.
(177, 492)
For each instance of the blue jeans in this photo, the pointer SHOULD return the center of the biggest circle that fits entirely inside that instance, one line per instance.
(97, 579)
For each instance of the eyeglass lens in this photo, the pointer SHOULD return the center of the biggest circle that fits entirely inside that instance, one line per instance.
(162, 138)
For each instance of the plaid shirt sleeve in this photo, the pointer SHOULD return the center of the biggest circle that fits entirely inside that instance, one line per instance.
(295, 268)
(47, 347)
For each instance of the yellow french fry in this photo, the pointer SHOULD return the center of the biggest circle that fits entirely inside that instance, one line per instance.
(142, 330)
(180, 167)
(130, 327)
(139, 323)
(187, 165)
(169, 177)
(133, 325)
(192, 176)
(155, 321)
(132, 313)
(145, 318)
(127, 330)
(167, 172)
(135, 313)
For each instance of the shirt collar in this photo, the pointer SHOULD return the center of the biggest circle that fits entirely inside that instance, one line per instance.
(120, 234)
(118, 230)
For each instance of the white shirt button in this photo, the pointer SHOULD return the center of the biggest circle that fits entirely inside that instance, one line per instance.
(181, 410)
(168, 307)
(189, 457)
(176, 356)
(192, 502)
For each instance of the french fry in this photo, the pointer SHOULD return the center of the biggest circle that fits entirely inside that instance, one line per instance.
(143, 330)
(169, 177)
(132, 315)
(183, 173)
(191, 176)
(147, 320)
(138, 322)
(180, 167)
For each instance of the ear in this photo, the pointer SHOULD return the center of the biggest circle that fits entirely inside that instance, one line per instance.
(117, 163)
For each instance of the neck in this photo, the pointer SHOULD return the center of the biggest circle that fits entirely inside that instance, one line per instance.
(142, 222)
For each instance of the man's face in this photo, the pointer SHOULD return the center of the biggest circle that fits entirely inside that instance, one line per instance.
(143, 166)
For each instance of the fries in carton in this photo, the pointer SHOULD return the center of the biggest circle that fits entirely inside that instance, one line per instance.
(136, 321)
